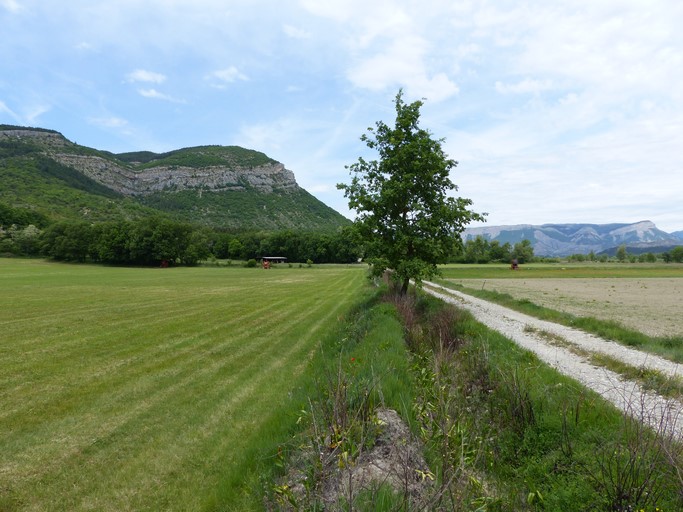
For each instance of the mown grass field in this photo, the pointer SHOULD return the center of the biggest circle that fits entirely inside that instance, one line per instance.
(151, 389)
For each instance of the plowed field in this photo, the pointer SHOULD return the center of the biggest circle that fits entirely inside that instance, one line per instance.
(653, 306)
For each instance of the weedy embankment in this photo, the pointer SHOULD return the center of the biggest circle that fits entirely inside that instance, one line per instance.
(499, 429)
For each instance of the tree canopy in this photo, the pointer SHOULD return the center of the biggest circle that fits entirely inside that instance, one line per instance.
(406, 216)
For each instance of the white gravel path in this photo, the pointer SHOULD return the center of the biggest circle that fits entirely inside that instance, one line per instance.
(664, 415)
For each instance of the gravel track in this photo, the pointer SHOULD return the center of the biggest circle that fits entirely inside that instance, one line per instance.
(662, 414)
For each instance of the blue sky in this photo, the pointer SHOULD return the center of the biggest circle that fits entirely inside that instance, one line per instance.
(557, 111)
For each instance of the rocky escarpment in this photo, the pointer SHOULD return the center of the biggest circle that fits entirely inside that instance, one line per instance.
(128, 181)
(44, 137)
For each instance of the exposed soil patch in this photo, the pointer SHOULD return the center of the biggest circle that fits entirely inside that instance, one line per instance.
(395, 460)
(651, 305)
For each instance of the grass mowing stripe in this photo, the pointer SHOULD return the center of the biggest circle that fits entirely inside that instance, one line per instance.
(159, 368)
(151, 361)
(257, 313)
(248, 404)
(293, 350)
(137, 435)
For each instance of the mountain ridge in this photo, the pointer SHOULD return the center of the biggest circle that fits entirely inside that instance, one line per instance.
(220, 186)
(566, 239)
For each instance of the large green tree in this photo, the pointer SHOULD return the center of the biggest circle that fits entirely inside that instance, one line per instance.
(405, 214)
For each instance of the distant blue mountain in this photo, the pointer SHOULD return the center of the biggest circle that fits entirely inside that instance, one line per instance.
(566, 239)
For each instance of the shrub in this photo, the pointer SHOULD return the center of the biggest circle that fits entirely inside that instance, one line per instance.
(251, 263)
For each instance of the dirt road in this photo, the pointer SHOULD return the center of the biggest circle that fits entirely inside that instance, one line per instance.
(664, 415)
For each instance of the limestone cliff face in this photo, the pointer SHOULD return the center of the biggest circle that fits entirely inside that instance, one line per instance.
(46, 138)
(131, 181)
(265, 178)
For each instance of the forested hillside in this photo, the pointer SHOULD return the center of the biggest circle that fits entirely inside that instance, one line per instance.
(224, 187)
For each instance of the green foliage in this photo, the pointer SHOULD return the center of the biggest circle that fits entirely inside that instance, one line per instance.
(148, 242)
(32, 179)
(621, 253)
(9, 127)
(480, 250)
(676, 254)
(405, 214)
(201, 156)
(21, 217)
(20, 241)
(362, 366)
(68, 241)
(509, 433)
(251, 263)
(17, 147)
(247, 209)
(523, 251)
(49, 168)
(55, 192)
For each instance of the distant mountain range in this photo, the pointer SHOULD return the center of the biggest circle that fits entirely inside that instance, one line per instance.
(219, 186)
(566, 239)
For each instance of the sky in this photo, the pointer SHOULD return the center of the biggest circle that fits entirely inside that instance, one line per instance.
(556, 111)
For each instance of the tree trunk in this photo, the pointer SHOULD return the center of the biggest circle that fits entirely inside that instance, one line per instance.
(404, 286)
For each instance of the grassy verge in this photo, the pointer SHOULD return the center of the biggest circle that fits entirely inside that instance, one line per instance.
(359, 369)
(507, 432)
(152, 389)
(670, 347)
(501, 431)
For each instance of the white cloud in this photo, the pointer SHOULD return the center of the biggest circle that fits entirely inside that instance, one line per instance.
(226, 76)
(141, 75)
(108, 122)
(35, 111)
(338, 11)
(548, 95)
(11, 5)
(402, 64)
(30, 114)
(295, 33)
(84, 46)
(321, 188)
(526, 86)
(4, 108)
(267, 137)
(154, 94)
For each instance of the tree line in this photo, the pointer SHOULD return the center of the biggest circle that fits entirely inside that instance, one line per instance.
(151, 241)
(482, 250)
(155, 240)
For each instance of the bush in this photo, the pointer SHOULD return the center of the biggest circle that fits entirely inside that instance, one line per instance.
(250, 263)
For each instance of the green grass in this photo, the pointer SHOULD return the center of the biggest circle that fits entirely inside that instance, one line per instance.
(533, 439)
(152, 389)
(362, 366)
(562, 270)
(573, 447)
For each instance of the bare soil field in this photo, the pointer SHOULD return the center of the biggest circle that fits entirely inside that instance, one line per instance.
(649, 305)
